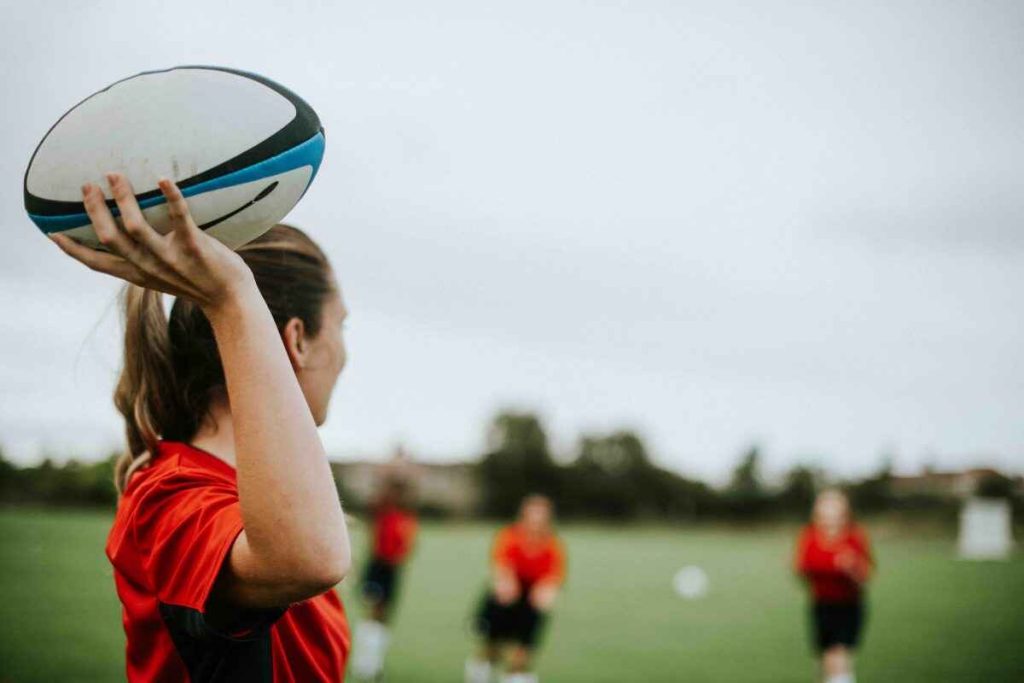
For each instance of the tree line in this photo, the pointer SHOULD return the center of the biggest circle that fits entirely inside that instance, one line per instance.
(610, 477)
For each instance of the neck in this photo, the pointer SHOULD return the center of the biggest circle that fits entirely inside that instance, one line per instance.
(534, 532)
(217, 435)
(832, 530)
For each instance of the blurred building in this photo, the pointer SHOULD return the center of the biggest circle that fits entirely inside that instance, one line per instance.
(441, 489)
(962, 484)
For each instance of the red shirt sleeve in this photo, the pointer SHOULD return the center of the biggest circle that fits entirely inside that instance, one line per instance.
(185, 529)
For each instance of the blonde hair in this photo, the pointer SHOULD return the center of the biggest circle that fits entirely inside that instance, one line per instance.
(171, 365)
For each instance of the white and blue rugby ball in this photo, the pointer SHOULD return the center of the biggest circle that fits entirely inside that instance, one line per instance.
(242, 148)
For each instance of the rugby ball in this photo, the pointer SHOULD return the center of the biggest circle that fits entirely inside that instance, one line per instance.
(242, 148)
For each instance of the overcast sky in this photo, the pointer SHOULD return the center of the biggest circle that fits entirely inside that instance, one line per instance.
(718, 223)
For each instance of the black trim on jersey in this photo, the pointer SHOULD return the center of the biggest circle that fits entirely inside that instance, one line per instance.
(211, 655)
(305, 125)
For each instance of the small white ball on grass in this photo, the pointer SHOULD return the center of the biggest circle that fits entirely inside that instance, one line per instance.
(690, 582)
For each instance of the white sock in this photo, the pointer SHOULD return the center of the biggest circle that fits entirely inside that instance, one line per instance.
(522, 677)
(369, 646)
(478, 671)
(842, 678)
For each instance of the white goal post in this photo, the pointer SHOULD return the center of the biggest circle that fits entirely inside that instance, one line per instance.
(985, 529)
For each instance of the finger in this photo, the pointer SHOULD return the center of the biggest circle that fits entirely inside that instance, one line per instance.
(100, 261)
(177, 209)
(132, 220)
(150, 262)
(112, 237)
(103, 223)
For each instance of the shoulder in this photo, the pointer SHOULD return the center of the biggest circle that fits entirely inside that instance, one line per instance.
(506, 535)
(807, 535)
(174, 471)
(176, 481)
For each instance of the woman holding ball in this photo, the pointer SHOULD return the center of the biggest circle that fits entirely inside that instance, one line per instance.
(834, 557)
(229, 535)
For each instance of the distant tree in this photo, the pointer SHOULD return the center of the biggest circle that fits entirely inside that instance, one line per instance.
(799, 488)
(746, 478)
(73, 483)
(613, 478)
(874, 493)
(618, 454)
(608, 477)
(9, 479)
(745, 496)
(994, 485)
(517, 463)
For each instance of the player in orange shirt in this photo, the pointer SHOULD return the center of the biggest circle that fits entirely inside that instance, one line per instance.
(394, 532)
(527, 570)
(834, 557)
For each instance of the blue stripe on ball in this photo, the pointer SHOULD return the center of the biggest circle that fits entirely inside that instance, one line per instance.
(309, 153)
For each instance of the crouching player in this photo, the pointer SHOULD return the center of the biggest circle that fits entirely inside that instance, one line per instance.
(394, 531)
(528, 566)
(833, 555)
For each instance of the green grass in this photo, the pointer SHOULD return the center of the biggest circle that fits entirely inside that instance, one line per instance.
(932, 617)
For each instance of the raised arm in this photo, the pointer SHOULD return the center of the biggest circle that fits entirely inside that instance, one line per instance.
(295, 543)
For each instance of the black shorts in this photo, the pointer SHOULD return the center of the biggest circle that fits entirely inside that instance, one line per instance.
(837, 624)
(380, 582)
(519, 622)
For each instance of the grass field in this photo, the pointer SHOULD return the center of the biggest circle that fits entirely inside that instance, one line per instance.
(932, 618)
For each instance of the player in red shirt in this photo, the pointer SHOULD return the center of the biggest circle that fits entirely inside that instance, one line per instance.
(229, 535)
(834, 557)
(394, 532)
(527, 570)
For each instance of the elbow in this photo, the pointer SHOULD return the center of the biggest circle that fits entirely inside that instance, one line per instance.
(328, 569)
(333, 572)
(319, 572)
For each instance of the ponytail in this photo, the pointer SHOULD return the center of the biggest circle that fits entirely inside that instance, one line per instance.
(146, 378)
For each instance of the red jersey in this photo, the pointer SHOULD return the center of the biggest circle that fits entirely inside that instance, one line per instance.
(393, 534)
(532, 560)
(816, 560)
(174, 528)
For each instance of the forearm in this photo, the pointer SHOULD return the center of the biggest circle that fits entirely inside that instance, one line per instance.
(290, 507)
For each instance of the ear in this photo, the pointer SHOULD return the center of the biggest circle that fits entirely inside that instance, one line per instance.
(295, 343)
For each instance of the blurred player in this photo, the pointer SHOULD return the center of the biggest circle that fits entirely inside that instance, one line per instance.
(528, 566)
(833, 555)
(394, 531)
